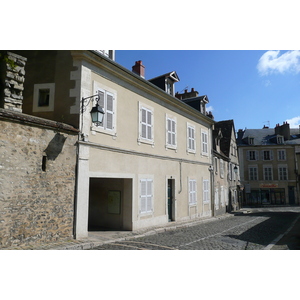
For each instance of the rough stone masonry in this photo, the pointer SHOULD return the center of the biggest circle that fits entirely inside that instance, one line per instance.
(37, 179)
(12, 73)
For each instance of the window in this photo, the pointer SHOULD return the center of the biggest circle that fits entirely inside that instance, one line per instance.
(146, 121)
(281, 154)
(191, 145)
(107, 102)
(222, 196)
(268, 173)
(282, 172)
(43, 97)
(252, 155)
(146, 195)
(204, 140)
(251, 140)
(280, 140)
(192, 192)
(216, 165)
(216, 198)
(171, 133)
(206, 197)
(253, 175)
(230, 171)
(267, 154)
(221, 168)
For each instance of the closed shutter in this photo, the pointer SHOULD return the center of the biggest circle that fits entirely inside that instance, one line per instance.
(109, 111)
(191, 138)
(146, 123)
(146, 195)
(206, 197)
(204, 143)
(192, 191)
(171, 132)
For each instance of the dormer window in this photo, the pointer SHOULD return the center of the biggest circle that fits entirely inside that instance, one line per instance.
(170, 87)
(280, 139)
(166, 82)
(251, 140)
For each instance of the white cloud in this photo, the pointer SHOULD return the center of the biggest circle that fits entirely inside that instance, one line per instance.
(294, 122)
(272, 62)
(209, 108)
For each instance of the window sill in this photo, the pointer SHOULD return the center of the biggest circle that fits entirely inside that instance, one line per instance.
(102, 130)
(145, 141)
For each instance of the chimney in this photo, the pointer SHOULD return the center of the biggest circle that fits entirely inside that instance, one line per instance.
(283, 130)
(240, 134)
(139, 69)
(187, 94)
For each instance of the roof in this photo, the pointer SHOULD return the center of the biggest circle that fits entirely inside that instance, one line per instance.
(173, 75)
(226, 128)
(267, 136)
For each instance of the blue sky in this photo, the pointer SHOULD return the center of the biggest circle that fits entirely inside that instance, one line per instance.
(252, 87)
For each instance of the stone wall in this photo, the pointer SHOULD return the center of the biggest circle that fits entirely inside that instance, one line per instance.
(12, 74)
(37, 179)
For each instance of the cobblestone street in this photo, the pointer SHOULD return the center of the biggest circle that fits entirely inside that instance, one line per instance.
(252, 230)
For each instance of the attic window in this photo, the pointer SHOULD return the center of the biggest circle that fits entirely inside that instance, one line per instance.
(279, 139)
(169, 87)
(251, 140)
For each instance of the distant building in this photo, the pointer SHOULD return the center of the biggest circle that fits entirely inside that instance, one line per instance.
(269, 160)
(227, 187)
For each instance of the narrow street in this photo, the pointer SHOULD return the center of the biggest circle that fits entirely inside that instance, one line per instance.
(255, 229)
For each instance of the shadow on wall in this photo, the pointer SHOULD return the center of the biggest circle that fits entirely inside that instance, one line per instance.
(55, 146)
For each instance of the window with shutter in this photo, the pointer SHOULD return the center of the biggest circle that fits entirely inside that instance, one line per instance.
(146, 124)
(281, 155)
(146, 195)
(217, 198)
(206, 197)
(191, 138)
(107, 102)
(171, 133)
(192, 192)
(204, 138)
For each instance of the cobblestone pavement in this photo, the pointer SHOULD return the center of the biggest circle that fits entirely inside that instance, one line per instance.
(255, 229)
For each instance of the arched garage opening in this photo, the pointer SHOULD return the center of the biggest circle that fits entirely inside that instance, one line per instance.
(110, 204)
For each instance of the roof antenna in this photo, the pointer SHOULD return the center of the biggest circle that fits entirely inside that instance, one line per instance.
(186, 88)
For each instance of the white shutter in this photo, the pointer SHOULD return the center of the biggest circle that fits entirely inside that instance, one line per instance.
(143, 195)
(173, 132)
(146, 195)
(101, 102)
(149, 123)
(149, 195)
(109, 111)
(169, 131)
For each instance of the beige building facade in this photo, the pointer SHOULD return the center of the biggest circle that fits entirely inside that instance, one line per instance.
(148, 162)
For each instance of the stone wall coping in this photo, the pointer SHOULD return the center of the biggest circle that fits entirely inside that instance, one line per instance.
(14, 116)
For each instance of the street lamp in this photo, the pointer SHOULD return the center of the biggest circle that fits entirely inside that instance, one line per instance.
(97, 112)
(235, 169)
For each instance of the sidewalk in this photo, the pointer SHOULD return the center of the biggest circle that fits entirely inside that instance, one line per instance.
(290, 240)
(98, 238)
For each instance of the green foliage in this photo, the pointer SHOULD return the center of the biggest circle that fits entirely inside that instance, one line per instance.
(10, 62)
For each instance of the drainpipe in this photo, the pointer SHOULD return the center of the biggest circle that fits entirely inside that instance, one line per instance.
(211, 170)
